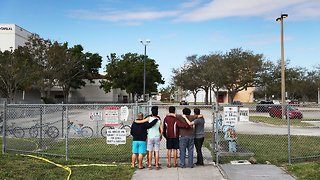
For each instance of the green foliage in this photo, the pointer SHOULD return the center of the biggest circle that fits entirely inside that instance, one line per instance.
(167, 93)
(235, 71)
(15, 70)
(242, 70)
(126, 73)
(42, 64)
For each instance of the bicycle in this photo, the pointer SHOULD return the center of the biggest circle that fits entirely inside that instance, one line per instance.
(84, 131)
(51, 131)
(17, 132)
(121, 126)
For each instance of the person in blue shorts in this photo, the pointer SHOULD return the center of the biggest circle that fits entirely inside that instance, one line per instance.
(139, 132)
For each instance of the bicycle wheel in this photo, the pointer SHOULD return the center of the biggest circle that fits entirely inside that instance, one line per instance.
(52, 132)
(33, 132)
(104, 130)
(128, 129)
(86, 132)
(18, 132)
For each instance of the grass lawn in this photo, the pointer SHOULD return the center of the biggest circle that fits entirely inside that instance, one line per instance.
(305, 171)
(274, 149)
(278, 121)
(20, 167)
(271, 148)
(81, 151)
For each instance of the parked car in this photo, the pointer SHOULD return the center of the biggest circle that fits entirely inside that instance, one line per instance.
(183, 102)
(237, 103)
(294, 102)
(264, 106)
(276, 111)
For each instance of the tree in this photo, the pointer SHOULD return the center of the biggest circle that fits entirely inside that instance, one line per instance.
(213, 72)
(241, 70)
(126, 73)
(167, 93)
(15, 70)
(75, 67)
(42, 74)
(189, 77)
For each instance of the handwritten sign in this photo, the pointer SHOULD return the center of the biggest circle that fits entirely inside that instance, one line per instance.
(244, 114)
(230, 116)
(116, 136)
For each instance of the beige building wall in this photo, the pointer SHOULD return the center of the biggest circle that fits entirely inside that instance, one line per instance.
(245, 95)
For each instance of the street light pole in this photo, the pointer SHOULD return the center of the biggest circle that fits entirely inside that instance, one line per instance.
(283, 87)
(144, 43)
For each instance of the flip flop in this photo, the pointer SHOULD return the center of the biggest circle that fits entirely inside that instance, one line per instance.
(142, 167)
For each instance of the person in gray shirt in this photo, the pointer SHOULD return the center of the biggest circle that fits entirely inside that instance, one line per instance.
(199, 135)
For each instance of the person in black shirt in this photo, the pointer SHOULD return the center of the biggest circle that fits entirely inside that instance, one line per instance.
(139, 132)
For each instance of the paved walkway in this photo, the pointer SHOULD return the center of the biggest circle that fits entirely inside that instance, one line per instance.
(211, 171)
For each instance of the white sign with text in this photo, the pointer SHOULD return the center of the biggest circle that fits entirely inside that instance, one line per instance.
(243, 114)
(116, 136)
(230, 116)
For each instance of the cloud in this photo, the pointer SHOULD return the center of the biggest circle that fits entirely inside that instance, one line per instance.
(217, 9)
(200, 10)
(190, 4)
(115, 16)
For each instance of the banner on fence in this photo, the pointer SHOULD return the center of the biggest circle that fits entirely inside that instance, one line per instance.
(111, 115)
(116, 136)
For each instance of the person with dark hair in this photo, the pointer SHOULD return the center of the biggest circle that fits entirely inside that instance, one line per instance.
(154, 137)
(186, 140)
(171, 132)
(139, 132)
(199, 135)
(186, 137)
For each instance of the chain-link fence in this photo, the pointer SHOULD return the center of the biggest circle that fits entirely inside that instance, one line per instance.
(258, 130)
(79, 130)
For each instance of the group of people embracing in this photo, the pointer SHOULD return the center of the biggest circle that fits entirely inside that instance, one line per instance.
(182, 132)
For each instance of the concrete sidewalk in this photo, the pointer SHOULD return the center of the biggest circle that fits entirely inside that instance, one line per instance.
(211, 171)
(203, 173)
(208, 171)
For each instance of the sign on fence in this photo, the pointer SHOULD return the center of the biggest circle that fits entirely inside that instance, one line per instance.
(111, 115)
(230, 116)
(116, 136)
(244, 114)
(124, 113)
(95, 116)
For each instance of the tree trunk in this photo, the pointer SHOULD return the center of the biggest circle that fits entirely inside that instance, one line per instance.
(206, 89)
(195, 97)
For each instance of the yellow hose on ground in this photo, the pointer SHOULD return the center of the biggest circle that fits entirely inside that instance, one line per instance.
(67, 168)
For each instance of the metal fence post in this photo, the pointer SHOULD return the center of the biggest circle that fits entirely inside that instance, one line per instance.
(62, 119)
(66, 134)
(4, 133)
(216, 131)
(289, 136)
(40, 129)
